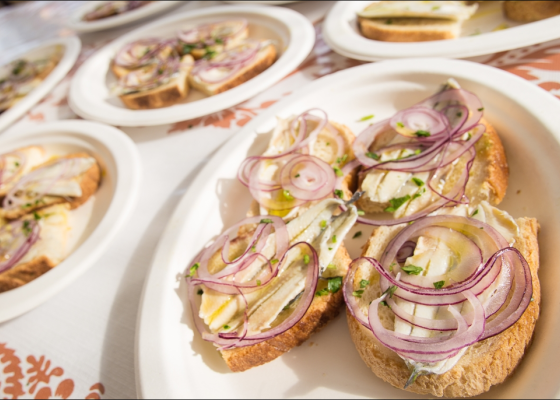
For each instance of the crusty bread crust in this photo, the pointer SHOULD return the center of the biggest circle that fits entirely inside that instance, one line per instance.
(408, 29)
(25, 273)
(529, 11)
(250, 71)
(322, 310)
(485, 364)
(89, 184)
(488, 179)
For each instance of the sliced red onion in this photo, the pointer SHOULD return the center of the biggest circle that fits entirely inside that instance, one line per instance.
(242, 339)
(307, 178)
(140, 53)
(406, 251)
(22, 161)
(22, 235)
(423, 120)
(208, 33)
(152, 76)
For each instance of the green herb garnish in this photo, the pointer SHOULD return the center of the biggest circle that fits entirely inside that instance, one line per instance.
(390, 291)
(422, 133)
(306, 259)
(266, 221)
(384, 303)
(364, 283)
(334, 239)
(187, 48)
(396, 203)
(331, 266)
(193, 270)
(258, 282)
(340, 160)
(367, 117)
(323, 224)
(338, 171)
(419, 182)
(439, 285)
(412, 270)
(275, 261)
(226, 326)
(298, 175)
(474, 213)
(358, 293)
(360, 212)
(481, 109)
(339, 193)
(400, 124)
(287, 195)
(373, 155)
(389, 22)
(200, 292)
(36, 216)
(335, 284)
(357, 235)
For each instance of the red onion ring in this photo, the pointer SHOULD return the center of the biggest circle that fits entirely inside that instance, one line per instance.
(208, 33)
(127, 57)
(23, 235)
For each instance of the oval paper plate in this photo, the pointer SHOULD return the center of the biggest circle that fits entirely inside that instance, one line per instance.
(487, 32)
(293, 34)
(172, 360)
(98, 220)
(36, 50)
(76, 23)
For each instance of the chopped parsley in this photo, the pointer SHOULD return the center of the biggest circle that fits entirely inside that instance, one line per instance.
(364, 283)
(422, 133)
(367, 117)
(396, 203)
(412, 270)
(36, 216)
(16, 164)
(391, 291)
(334, 239)
(439, 285)
(298, 175)
(193, 270)
(416, 195)
(306, 259)
(474, 213)
(340, 160)
(219, 41)
(335, 284)
(331, 266)
(287, 195)
(373, 155)
(323, 224)
(469, 137)
(481, 109)
(328, 143)
(419, 182)
(226, 326)
(459, 114)
(253, 249)
(209, 54)
(360, 212)
(275, 261)
(187, 48)
(26, 228)
(391, 267)
(338, 171)
(200, 292)
(384, 303)
(389, 22)
(20, 65)
(357, 235)
(258, 282)
(322, 292)
(266, 221)
(358, 293)
(435, 8)
(339, 193)
(400, 124)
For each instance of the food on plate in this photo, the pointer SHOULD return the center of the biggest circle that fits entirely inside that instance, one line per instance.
(445, 297)
(304, 157)
(414, 21)
(111, 8)
(151, 74)
(232, 67)
(70, 179)
(212, 58)
(529, 11)
(20, 77)
(38, 191)
(262, 293)
(210, 39)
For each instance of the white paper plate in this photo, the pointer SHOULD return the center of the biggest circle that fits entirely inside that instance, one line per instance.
(271, 3)
(33, 51)
(76, 23)
(172, 361)
(98, 220)
(89, 93)
(341, 33)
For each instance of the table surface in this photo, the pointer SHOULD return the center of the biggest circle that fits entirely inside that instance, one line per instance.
(81, 342)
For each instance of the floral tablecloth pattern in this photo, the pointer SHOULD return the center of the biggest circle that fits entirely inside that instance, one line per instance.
(29, 370)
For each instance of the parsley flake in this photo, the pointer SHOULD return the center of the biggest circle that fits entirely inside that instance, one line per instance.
(338, 171)
(266, 221)
(419, 182)
(339, 193)
(396, 203)
(275, 261)
(391, 291)
(481, 109)
(334, 239)
(412, 270)
(200, 292)
(373, 155)
(193, 270)
(361, 212)
(422, 133)
(439, 285)
(474, 213)
(258, 282)
(226, 326)
(306, 259)
(364, 283)
(287, 195)
(323, 224)
(335, 284)
(358, 293)
(357, 235)
(367, 117)
(400, 124)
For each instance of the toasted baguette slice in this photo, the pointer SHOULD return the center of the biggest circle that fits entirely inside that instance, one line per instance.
(46, 253)
(488, 178)
(89, 183)
(409, 29)
(529, 11)
(165, 95)
(322, 310)
(484, 364)
(264, 59)
(325, 149)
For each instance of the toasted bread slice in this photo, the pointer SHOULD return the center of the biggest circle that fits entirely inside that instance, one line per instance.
(322, 310)
(409, 29)
(529, 11)
(88, 181)
(484, 364)
(165, 95)
(264, 59)
(488, 177)
(46, 253)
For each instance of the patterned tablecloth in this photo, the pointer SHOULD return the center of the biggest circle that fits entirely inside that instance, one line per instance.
(81, 342)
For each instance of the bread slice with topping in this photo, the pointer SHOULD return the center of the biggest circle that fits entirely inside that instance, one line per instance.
(58, 183)
(264, 59)
(530, 11)
(483, 365)
(49, 250)
(175, 90)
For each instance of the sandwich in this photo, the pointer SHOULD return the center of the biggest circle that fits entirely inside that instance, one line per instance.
(111, 8)
(445, 297)
(70, 179)
(530, 11)
(232, 67)
(206, 41)
(15, 164)
(262, 293)
(33, 245)
(151, 74)
(22, 76)
(414, 21)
